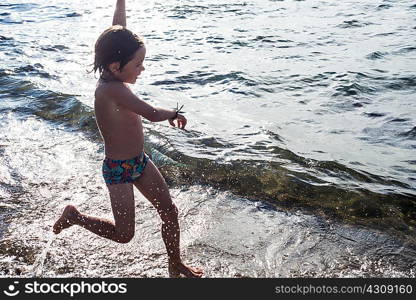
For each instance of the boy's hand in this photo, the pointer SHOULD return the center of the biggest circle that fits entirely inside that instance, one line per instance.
(181, 120)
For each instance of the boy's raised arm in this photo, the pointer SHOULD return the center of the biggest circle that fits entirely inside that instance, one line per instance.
(119, 17)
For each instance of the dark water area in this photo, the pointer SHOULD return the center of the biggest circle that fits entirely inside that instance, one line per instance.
(300, 113)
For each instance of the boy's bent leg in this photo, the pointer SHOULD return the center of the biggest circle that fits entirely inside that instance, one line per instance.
(122, 202)
(153, 186)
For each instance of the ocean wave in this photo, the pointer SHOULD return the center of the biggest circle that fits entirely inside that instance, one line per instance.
(33, 70)
(54, 47)
(411, 134)
(401, 83)
(20, 6)
(204, 78)
(376, 55)
(353, 24)
(218, 10)
(27, 98)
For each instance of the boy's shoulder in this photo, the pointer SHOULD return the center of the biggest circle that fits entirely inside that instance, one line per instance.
(111, 89)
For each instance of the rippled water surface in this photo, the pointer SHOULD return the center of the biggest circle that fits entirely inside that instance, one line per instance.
(298, 112)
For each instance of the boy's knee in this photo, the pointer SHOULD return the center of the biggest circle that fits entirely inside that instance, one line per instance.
(124, 234)
(125, 237)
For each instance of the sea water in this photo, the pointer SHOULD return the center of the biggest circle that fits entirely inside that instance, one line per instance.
(298, 158)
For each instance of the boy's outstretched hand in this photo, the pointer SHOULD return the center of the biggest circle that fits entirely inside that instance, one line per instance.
(181, 120)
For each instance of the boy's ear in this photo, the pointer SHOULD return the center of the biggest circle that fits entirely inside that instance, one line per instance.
(114, 67)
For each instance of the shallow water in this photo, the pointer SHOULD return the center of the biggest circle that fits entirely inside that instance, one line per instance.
(228, 236)
(290, 104)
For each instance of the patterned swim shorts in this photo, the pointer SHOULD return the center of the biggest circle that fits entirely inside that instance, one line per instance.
(124, 171)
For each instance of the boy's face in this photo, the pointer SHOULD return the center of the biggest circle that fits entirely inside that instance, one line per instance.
(132, 69)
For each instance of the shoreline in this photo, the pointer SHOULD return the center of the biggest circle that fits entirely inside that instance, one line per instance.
(209, 210)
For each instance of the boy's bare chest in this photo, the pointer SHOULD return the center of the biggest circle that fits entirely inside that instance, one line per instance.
(109, 114)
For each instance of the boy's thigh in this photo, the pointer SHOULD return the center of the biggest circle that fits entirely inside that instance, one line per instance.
(122, 203)
(153, 186)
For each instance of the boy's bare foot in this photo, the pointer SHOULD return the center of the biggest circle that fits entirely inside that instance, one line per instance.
(178, 268)
(66, 220)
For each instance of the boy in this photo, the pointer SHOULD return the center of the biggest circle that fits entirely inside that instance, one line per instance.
(119, 56)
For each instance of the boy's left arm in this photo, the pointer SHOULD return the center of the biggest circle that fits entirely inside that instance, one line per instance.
(119, 17)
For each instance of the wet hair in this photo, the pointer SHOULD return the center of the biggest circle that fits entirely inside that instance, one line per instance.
(116, 44)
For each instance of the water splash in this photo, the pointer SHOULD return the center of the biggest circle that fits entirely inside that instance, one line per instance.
(37, 267)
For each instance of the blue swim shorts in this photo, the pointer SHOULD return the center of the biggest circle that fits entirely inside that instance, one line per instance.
(117, 171)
